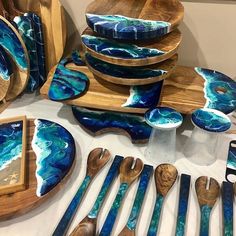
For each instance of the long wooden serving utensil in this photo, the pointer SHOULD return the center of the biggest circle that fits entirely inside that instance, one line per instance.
(89, 224)
(97, 159)
(129, 172)
(207, 197)
(165, 177)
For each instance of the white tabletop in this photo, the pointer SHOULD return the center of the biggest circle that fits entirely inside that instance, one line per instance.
(43, 220)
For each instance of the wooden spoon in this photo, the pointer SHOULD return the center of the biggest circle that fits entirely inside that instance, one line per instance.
(165, 177)
(97, 159)
(89, 224)
(128, 174)
(207, 198)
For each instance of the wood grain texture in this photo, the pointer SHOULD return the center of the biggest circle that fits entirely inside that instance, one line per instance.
(21, 184)
(4, 105)
(54, 26)
(171, 11)
(167, 66)
(182, 91)
(13, 205)
(168, 44)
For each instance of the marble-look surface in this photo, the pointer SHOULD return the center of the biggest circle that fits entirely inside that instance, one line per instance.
(163, 118)
(219, 89)
(54, 147)
(5, 65)
(211, 120)
(121, 27)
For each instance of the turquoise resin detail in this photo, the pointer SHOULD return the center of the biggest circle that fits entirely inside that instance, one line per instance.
(122, 71)
(119, 50)
(5, 65)
(142, 188)
(231, 162)
(66, 83)
(54, 147)
(10, 142)
(121, 27)
(97, 121)
(153, 227)
(145, 96)
(163, 118)
(27, 33)
(10, 42)
(211, 120)
(216, 81)
(205, 217)
(111, 217)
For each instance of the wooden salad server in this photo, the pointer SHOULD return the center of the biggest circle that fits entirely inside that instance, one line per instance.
(129, 229)
(165, 177)
(89, 224)
(97, 159)
(207, 197)
(129, 172)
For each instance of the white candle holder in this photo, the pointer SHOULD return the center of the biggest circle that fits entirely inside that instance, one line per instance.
(209, 124)
(162, 143)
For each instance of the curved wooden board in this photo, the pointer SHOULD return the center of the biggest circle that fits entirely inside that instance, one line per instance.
(119, 74)
(167, 44)
(19, 203)
(54, 26)
(171, 11)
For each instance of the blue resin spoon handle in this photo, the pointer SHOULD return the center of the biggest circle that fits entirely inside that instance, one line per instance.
(128, 174)
(97, 159)
(205, 220)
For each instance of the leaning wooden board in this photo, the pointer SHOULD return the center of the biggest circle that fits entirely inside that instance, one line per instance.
(19, 203)
(183, 91)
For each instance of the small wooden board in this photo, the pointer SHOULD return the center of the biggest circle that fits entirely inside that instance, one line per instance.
(19, 203)
(169, 44)
(183, 91)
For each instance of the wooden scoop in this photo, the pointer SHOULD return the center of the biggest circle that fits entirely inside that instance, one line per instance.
(97, 159)
(207, 197)
(165, 177)
(129, 172)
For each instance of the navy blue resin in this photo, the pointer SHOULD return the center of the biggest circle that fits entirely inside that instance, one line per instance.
(5, 65)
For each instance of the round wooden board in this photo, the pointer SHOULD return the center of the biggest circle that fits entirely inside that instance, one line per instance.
(167, 65)
(168, 44)
(16, 204)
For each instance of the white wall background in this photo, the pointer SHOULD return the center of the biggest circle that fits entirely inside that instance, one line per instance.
(209, 32)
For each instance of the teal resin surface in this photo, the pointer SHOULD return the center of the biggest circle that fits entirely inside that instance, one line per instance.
(5, 65)
(163, 118)
(231, 162)
(205, 218)
(211, 120)
(27, 33)
(67, 84)
(123, 72)
(10, 42)
(119, 50)
(219, 89)
(10, 143)
(54, 147)
(122, 27)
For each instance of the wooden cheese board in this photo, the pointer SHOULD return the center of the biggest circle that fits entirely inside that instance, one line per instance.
(16, 204)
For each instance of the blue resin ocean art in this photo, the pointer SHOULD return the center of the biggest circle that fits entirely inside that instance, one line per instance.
(27, 33)
(121, 27)
(123, 72)
(211, 120)
(5, 65)
(119, 50)
(54, 147)
(231, 162)
(66, 83)
(76, 58)
(98, 122)
(145, 96)
(10, 142)
(163, 118)
(11, 43)
(219, 89)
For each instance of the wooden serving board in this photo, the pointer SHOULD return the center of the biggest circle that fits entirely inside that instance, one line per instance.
(54, 26)
(19, 203)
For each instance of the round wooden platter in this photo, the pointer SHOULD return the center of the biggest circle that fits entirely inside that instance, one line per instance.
(54, 26)
(16, 204)
(168, 44)
(171, 11)
(167, 66)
